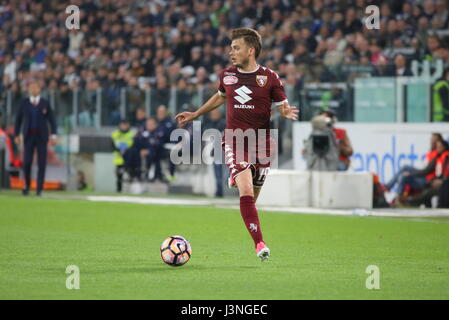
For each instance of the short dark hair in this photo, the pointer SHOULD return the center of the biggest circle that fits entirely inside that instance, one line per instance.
(438, 135)
(251, 37)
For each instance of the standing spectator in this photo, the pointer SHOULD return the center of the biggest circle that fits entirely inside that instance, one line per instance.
(301, 55)
(351, 23)
(136, 97)
(141, 119)
(434, 47)
(150, 149)
(10, 69)
(122, 141)
(161, 93)
(400, 67)
(333, 56)
(441, 98)
(165, 127)
(216, 121)
(381, 68)
(35, 114)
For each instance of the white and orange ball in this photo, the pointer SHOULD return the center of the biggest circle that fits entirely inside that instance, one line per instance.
(176, 251)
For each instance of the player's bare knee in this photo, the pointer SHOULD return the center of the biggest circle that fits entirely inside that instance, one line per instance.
(246, 190)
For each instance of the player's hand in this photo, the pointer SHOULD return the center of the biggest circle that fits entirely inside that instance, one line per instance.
(185, 117)
(288, 111)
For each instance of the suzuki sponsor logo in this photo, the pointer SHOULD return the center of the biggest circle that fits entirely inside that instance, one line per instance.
(243, 94)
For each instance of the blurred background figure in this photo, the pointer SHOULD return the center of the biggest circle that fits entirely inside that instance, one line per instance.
(416, 182)
(400, 67)
(440, 168)
(122, 143)
(343, 142)
(441, 98)
(321, 148)
(141, 119)
(150, 150)
(32, 122)
(165, 127)
(216, 121)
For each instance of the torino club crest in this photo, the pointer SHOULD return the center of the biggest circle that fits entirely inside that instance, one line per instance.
(261, 80)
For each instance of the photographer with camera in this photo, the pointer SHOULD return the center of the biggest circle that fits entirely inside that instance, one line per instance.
(328, 148)
(321, 149)
(344, 144)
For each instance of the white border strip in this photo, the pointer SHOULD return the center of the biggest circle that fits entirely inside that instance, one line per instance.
(233, 204)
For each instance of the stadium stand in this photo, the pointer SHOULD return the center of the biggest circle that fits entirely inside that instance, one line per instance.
(129, 55)
(161, 44)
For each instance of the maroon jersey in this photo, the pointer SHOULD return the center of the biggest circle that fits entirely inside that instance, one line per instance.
(249, 96)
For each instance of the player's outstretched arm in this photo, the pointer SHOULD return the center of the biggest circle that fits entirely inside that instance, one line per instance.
(214, 102)
(288, 111)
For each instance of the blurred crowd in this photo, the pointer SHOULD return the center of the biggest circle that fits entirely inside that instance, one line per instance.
(184, 43)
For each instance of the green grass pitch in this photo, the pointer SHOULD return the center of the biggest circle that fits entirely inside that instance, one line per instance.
(116, 247)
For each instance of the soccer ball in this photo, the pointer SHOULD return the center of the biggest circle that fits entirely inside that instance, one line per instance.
(176, 251)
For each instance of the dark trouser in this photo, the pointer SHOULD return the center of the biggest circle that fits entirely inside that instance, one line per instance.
(218, 179)
(153, 158)
(119, 171)
(171, 167)
(417, 183)
(131, 166)
(32, 142)
(165, 154)
(132, 162)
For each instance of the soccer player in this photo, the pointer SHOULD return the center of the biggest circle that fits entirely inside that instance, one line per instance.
(249, 90)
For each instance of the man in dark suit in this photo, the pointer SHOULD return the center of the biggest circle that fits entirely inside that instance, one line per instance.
(400, 67)
(33, 116)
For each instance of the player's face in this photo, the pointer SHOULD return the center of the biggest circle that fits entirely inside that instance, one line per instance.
(240, 53)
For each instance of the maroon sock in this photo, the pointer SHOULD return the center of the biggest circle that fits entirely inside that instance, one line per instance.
(251, 218)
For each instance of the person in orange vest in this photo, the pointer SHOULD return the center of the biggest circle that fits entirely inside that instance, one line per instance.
(418, 183)
(343, 142)
(441, 171)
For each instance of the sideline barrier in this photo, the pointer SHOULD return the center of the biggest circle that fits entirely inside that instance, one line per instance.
(381, 148)
(290, 188)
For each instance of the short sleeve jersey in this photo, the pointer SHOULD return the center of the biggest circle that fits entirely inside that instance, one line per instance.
(249, 96)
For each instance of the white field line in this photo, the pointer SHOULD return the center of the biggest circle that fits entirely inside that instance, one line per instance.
(233, 204)
(168, 201)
